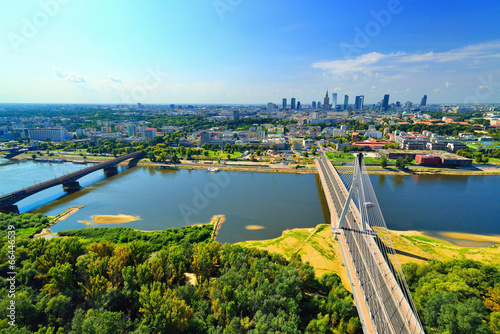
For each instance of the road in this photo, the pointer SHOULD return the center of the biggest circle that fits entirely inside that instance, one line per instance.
(388, 310)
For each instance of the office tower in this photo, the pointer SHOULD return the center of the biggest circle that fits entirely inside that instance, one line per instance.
(270, 107)
(346, 102)
(131, 131)
(385, 102)
(319, 105)
(236, 115)
(398, 104)
(293, 103)
(358, 104)
(298, 105)
(334, 101)
(284, 103)
(314, 105)
(326, 102)
(423, 103)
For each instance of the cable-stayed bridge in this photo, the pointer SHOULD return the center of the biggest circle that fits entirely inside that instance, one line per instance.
(382, 296)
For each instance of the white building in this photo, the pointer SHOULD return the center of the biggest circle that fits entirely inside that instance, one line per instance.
(54, 134)
(307, 143)
(373, 134)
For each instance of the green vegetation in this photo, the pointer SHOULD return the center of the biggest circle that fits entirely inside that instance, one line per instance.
(27, 224)
(155, 240)
(93, 285)
(459, 296)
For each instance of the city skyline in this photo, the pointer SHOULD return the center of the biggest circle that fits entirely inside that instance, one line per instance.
(243, 52)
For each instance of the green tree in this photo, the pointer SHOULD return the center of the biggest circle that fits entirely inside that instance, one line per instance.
(383, 162)
(400, 163)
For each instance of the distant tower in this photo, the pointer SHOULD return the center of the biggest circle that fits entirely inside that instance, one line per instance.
(334, 101)
(319, 105)
(236, 115)
(346, 102)
(284, 103)
(326, 102)
(298, 105)
(385, 102)
(423, 103)
(314, 105)
(293, 103)
(358, 104)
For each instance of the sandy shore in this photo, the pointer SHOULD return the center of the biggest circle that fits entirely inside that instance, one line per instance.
(254, 227)
(68, 212)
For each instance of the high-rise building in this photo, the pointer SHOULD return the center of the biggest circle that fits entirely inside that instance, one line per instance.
(385, 102)
(298, 105)
(131, 131)
(284, 104)
(326, 102)
(236, 115)
(423, 103)
(204, 138)
(346, 102)
(358, 104)
(314, 105)
(293, 103)
(270, 107)
(319, 105)
(334, 101)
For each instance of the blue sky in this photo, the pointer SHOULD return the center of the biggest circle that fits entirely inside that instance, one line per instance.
(248, 51)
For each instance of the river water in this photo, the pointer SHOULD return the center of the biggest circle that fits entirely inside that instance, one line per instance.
(257, 205)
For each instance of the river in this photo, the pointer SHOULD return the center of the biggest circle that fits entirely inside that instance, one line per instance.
(257, 205)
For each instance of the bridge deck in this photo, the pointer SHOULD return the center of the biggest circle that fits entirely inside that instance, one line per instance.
(381, 303)
(14, 197)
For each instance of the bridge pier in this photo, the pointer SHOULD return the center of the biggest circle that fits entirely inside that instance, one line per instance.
(71, 186)
(9, 209)
(110, 170)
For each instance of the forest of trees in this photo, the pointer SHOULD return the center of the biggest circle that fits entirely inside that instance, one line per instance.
(111, 281)
(118, 280)
(456, 297)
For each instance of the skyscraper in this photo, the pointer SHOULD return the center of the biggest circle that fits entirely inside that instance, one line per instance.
(298, 105)
(423, 103)
(284, 103)
(314, 104)
(358, 104)
(385, 102)
(236, 115)
(293, 103)
(346, 102)
(334, 101)
(326, 102)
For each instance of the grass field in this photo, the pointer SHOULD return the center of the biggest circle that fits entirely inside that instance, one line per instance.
(317, 246)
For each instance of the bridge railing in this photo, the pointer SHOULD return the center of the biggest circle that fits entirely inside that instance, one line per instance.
(27, 191)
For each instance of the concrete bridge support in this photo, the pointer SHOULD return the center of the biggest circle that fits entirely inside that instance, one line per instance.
(9, 209)
(111, 170)
(71, 186)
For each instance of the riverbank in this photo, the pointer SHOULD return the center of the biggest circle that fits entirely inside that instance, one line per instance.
(317, 246)
(307, 169)
(46, 232)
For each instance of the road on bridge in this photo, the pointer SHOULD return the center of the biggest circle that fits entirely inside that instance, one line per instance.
(382, 305)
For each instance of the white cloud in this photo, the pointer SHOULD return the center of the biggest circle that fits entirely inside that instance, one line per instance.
(69, 76)
(470, 56)
(448, 84)
(115, 79)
